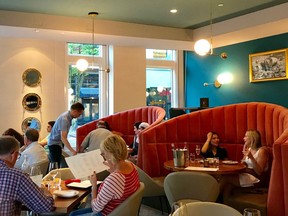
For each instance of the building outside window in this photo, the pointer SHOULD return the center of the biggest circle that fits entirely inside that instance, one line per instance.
(86, 87)
(160, 76)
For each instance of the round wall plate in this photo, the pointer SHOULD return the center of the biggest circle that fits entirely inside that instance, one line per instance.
(30, 122)
(31, 77)
(31, 102)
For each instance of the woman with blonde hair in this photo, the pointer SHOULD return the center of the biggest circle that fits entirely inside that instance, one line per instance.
(256, 158)
(120, 184)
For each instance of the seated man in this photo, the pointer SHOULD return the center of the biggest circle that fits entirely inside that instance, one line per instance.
(94, 138)
(17, 188)
(32, 150)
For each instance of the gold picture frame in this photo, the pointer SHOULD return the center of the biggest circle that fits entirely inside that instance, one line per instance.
(268, 66)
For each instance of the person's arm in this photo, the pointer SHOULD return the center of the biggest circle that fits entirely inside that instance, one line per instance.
(206, 144)
(41, 202)
(259, 164)
(109, 190)
(64, 135)
(85, 143)
(44, 141)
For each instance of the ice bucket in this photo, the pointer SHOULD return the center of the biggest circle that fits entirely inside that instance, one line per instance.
(179, 157)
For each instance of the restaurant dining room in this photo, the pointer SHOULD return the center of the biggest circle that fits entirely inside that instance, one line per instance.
(144, 108)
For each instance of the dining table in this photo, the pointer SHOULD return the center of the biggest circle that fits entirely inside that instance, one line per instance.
(224, 168)
(68, 204)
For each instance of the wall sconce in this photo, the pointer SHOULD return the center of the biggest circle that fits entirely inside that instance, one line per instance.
(216, 84)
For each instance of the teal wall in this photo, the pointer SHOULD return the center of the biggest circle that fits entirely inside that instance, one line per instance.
(201, 69)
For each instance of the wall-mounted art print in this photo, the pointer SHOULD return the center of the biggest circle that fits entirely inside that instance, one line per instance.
(31, 77)
(31, 102)
(268, 66)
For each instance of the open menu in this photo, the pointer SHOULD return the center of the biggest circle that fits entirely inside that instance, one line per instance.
(84, 164)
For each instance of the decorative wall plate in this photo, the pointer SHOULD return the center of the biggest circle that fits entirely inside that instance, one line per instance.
(31, 122)
(31, 77)
(31, 102)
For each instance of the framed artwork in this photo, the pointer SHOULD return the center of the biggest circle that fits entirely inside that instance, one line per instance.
(31, 102)
(268, 66)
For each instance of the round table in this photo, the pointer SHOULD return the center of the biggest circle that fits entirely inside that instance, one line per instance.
(199, 167)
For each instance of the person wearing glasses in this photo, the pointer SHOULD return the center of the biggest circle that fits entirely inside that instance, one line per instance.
(17, 188)
(32, 150)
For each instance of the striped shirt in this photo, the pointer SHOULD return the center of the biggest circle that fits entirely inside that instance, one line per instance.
(114, 190)
(18, 189)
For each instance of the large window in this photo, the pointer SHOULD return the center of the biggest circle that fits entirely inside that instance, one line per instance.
(87, 87)
(161, 78)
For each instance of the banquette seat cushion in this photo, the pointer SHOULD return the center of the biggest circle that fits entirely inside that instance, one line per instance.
(123, 122)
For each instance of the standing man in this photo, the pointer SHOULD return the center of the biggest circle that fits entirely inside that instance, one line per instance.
(58, 136)
(17, 188)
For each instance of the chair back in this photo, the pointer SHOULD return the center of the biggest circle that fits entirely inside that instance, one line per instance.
(186, 185)
(131, 205)
(206, 209)
(43, 166)
(65, 174)
(152, 188)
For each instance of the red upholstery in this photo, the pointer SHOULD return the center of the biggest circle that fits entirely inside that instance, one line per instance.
(123, 122)
(231, 122)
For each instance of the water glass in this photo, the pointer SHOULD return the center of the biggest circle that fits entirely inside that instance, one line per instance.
(192, 158)
(251, 212)
(53, 165)
(216, 162)
(35, 170)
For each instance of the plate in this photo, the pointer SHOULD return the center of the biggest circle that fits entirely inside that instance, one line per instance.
(82, 184)
(66, 193)
(229, 162)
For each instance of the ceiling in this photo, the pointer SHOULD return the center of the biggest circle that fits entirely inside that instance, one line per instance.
(191, 14)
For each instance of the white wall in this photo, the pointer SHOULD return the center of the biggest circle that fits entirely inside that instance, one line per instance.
(48, 57)
(129, 71)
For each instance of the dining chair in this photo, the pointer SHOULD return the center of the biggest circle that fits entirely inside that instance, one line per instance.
(153, 188)
(65, 174)
(185, 186)
(131, 205)
(206, 209)
(43, 166)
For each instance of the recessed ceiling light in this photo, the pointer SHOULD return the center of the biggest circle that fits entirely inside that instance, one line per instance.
(220, 5)
(173, 11)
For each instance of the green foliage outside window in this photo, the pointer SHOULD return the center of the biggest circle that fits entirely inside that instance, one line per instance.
(84, 49)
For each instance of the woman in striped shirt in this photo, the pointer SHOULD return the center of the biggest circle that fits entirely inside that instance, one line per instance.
(120, 184)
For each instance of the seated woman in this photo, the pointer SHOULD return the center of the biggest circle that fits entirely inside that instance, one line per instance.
(212, 149)
(120, 184)
(256, 157)
(16, 134)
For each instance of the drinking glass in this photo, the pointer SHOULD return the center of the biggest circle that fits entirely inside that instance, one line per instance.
(35, 170)
(251, 212)
(216, 162)
(52, 166)
(197, 150)
(192, 158)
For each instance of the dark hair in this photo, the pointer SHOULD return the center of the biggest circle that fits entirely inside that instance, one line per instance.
(8, 144)
(32, 134)
(77, 106)
(16, 134)
(136, 124)
(51, 123)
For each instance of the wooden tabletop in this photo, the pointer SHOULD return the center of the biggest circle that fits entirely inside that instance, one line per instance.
(199, 167)
(66, 205)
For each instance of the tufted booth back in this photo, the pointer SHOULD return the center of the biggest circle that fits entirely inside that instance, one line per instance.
(231, 123)
(123, 122)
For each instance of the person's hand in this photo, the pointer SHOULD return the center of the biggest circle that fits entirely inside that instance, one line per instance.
(93, 179)
(209, 136)
(74, 152)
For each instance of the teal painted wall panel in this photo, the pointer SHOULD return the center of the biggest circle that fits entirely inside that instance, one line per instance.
(199, 70)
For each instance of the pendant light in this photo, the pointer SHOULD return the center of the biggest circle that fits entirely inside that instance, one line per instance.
(204, 47)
